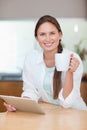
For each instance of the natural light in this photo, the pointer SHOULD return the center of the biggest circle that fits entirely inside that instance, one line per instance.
(17, 39)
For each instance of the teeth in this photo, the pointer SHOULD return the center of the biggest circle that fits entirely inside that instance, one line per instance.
(48, 44)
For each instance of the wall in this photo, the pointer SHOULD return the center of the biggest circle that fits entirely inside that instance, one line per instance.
(17, 39)
(25, 9)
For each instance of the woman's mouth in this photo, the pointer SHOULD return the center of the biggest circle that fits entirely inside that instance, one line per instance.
(48, 44)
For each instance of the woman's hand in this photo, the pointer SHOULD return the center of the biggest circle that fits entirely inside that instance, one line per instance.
(74, 63)
(9, 107)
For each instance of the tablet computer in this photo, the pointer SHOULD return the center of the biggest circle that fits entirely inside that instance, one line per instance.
(23, 104)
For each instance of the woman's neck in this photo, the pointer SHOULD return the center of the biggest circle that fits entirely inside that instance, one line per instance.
(49, 59)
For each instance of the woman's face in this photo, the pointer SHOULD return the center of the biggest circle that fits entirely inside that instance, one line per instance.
(48, 36)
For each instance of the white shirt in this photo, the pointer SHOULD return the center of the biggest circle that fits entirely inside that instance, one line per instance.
(33, 78)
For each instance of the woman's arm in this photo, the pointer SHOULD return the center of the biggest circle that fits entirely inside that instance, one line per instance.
(29, 76)
(70, 91)
(68, 83)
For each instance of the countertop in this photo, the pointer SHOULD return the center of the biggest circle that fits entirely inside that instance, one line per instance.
(11, 76)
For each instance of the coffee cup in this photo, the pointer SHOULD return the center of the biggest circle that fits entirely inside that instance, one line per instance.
(62, 61)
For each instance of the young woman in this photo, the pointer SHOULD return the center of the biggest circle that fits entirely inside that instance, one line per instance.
(41, 80)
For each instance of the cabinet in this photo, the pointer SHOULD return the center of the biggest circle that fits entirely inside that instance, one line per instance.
(14, 88)
(84, 91)
(11, 88)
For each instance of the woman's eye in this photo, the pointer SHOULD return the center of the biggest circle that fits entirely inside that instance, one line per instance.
(52, 33)
(42, 34)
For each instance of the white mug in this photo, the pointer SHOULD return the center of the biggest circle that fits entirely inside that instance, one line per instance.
(62, 61)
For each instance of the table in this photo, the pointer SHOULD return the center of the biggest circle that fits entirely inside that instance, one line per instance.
(56, 118)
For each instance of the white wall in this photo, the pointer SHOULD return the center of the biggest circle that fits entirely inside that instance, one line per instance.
(25, 9)
(17, 39)
(31, 10)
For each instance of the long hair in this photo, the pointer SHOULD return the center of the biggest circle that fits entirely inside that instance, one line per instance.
(57, 74)
(57, 84)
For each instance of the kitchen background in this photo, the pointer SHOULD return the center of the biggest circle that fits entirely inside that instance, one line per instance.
(17, 39)
(17, 22)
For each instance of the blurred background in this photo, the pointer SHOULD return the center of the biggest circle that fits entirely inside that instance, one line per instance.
(17, 23)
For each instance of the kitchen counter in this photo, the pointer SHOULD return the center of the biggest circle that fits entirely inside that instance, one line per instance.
(10, 76)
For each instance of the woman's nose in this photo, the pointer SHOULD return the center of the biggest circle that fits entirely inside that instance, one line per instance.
(48, 37)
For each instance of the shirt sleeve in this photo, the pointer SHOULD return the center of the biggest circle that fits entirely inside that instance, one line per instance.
(75, 93)
(29, 87)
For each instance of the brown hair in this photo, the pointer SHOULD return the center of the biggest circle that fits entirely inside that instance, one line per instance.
(57, 74)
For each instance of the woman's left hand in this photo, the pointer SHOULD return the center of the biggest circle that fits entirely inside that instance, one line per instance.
(74, 63)
(9, 107)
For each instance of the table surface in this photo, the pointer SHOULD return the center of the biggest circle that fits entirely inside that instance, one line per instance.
(56, 118)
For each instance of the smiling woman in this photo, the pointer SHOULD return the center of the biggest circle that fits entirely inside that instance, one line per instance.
(17, 39)
(41, 79)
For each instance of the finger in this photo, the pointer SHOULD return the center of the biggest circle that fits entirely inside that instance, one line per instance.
(9, 107)
(73, 65)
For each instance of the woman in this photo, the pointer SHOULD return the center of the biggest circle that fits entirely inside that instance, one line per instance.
(41, 80)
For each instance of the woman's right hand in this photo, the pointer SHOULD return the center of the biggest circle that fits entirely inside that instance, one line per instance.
(9, 107)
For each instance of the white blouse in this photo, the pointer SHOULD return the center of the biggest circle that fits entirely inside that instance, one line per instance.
(33, 82)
